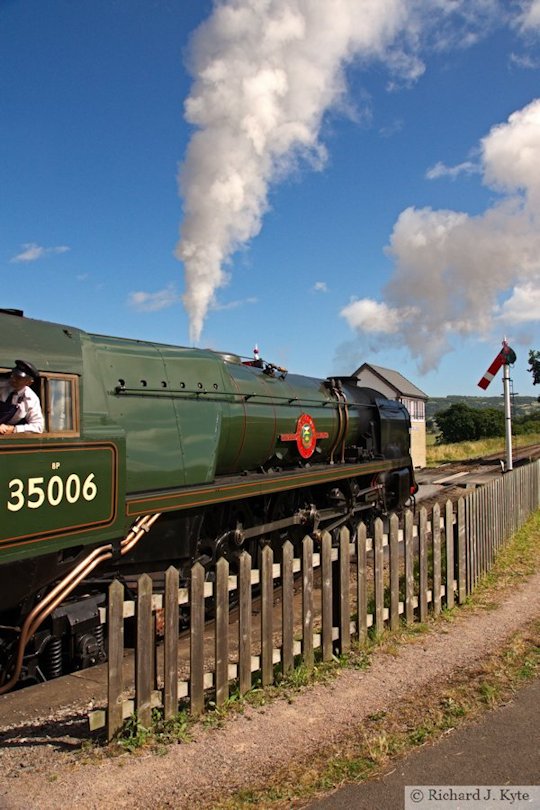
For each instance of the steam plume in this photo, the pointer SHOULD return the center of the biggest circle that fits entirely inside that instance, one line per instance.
(265, 72)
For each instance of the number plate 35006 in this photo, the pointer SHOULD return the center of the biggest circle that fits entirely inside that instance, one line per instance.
(49, 490)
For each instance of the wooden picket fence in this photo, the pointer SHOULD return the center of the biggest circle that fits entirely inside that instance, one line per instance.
(421, 564)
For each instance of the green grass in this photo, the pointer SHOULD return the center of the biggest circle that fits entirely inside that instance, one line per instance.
(463, 451)
(134, 736)
(515, 562)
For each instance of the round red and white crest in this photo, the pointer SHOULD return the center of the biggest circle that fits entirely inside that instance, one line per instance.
(305, 437)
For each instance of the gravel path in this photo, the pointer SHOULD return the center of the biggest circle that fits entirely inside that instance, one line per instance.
(42, 772)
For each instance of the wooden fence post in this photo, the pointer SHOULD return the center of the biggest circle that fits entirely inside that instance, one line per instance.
(501, 506)
(267, 606)
(345, 587)
(378, 555)
(409, 567)
(492, 507)
(326, 596)
(522, 496)
(474, 550)
(481, 525)
(449, 542)
(461, 550)
(115, 655)
(287, 582)
(244, 623)
(423, 572)
(144, 656)
(170, 653)
(505, 507)
(488, 536)
(498, 512)
(483, 519)
(307, 601)
(394, 572)
(468, 541)
(436, 541)
(196, 675)
(222, 631)
(361, 585)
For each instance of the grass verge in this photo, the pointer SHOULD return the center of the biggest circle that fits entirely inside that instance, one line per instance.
(392, 734)
(464, 451)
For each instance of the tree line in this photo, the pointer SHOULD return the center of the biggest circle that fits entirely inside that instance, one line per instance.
(461, 423)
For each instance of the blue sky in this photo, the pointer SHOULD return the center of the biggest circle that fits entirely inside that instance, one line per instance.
(369, 182)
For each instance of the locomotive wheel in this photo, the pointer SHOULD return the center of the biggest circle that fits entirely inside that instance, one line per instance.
(351, 489)
(221, 535)
(285, 505)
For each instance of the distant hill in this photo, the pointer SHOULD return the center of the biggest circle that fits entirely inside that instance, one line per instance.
(522, 406)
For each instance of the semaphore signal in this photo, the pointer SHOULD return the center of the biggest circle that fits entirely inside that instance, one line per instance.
(506, 358)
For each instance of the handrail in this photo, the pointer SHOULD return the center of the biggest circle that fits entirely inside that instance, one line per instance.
(224, 396)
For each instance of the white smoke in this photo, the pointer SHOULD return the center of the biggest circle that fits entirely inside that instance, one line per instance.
(464, 274)
(265, 72)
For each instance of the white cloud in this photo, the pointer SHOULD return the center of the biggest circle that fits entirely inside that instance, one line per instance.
(441, 170)
(391, 129)
(240, 302)
(32, 252)
(153, 302)
(511, 154)
(320, 286)
(525, 61)
(453, 269)
(529, 18)
(522, 306)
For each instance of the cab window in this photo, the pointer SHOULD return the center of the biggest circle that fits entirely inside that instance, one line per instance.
(59, 401)
(59, 397)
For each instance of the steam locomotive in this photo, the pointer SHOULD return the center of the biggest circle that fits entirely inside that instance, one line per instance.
(155, 455)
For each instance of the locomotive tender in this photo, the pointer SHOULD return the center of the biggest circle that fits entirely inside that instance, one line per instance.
(194, 453)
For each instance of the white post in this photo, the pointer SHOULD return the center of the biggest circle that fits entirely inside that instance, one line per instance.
(507, 417)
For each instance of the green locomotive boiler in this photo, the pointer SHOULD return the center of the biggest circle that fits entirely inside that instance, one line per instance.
(154, 455)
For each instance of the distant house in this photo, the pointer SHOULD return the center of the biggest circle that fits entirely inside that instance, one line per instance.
(394, 385)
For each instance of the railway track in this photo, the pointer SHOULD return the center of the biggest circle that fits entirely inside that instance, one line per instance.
(450, 481)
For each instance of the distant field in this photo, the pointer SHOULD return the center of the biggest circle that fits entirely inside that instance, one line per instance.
(442, 453)
(522, 406)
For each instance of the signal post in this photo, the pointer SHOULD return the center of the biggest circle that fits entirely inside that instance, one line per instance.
(505, 358)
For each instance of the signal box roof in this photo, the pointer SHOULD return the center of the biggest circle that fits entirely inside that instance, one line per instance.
(400, 384)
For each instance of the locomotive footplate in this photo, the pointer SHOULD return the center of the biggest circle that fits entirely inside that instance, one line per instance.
(253, 485)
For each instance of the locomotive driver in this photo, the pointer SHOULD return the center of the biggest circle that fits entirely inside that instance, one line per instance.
(20, 408)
